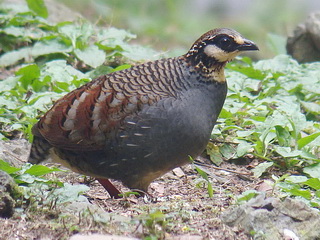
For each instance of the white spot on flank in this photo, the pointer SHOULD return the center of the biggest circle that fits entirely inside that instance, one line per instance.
(132, 123)
(148, 155)
(132, 145)
(138, 134)
(145, 127)
(113, 165)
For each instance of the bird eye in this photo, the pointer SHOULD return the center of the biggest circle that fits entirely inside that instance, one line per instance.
(224, 42)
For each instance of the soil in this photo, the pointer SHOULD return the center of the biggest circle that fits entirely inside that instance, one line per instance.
(181, 195)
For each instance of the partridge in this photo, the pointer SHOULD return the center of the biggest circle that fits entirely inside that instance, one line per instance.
(137, 124)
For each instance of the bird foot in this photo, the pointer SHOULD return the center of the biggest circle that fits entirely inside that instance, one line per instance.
(111, 189)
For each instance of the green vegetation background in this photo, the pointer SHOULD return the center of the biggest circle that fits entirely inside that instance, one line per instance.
(273, 106)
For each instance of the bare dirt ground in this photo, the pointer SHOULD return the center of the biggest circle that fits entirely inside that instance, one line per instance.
(181, 196)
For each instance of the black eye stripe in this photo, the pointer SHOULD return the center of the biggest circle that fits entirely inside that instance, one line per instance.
(223, 41)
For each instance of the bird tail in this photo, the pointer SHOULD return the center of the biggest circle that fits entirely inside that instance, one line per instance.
(40, 147)
(39, 150)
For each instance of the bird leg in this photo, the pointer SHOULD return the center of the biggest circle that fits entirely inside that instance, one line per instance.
(112, 190)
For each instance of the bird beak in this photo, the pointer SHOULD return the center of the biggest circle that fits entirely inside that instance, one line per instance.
(247, 46)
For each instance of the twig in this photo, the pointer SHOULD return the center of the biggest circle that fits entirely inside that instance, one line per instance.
(219, 168)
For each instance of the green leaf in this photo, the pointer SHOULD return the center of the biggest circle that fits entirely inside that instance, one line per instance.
(313, 170)
(39, 170)
(283, 136)
(204, 175)
(91, 56)
(306, 140)
(10, 58)
(79, 35)
(6, 167)
(227, 151)
(29, 179)
(38, 7)
(261, 168)
(49, 47)
(313, 183)
(296, 179)
(137, 53)
(214, 153)
(69, 193)
(287, 152)
(302, 193)
(243, 148)
(28, 74)
(247, 195)
(311, 107)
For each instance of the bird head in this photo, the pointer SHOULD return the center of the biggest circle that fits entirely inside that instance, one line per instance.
(217, 47)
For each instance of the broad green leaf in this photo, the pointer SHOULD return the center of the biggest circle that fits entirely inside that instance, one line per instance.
(302, 193)
(138, 53)
(114, 33)
(91, 56)
(313, 170)
(6, 167)
(58, 70)
(214, 153)
(311, 107)
(261, 168)
(8, 83)
(38, 7)
(280, 63)
(28, 74)
(29, 179)
(227, 151)
(244, 134)
(10, 58)
(313, 183)
(69, 193)
(283, 136)
(49, 47)
(259, 147)
(79, 35)
(225, 114)
(39, 170)
(8, 104)
(122, 67)
(287, 152)
(297, 179)
(243, 148)
(306, 140)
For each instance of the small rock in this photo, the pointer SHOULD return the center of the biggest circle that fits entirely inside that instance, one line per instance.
(178, 172)
(289, 235)
(186, 237)
(100, 237)
(275, 219)
(14, 152)
(304, 44)
(7, 203)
